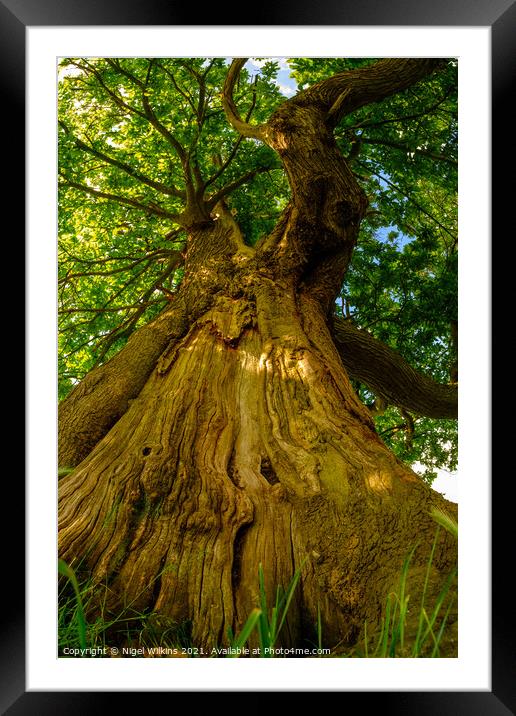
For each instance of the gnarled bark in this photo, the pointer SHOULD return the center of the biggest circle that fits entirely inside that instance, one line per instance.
(247, 444)
(388, 375)
(94, 406)
(103, 396)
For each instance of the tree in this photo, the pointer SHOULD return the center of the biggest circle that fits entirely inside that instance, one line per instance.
(246, 283)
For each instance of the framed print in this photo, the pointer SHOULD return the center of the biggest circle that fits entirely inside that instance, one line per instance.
(245, 346)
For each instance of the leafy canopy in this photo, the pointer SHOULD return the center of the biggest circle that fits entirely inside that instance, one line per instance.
(135, 135)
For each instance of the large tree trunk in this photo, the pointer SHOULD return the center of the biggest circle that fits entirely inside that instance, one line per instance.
(246, 443)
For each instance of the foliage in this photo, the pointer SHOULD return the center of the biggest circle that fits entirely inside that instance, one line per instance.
(126, 127)
(103, 635)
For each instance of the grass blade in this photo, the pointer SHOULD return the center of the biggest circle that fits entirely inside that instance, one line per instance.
(319, 628)
(68, 572)
(263, 620)
(417, 645)
(440, 599)
(385, 640)
(403, 599)
(380, 637)
(290, 593)
(443, 518)
(435, 651)
(246, 632)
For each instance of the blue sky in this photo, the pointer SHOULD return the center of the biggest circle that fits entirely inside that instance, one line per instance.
(287, 86)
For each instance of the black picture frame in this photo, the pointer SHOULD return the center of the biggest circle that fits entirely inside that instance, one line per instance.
(500, 16)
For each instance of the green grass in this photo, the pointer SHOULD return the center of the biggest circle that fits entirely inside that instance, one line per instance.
(431, 618)
(443, 518)
(265, 622)
(76, 625)
(128, 626)
(237, 643)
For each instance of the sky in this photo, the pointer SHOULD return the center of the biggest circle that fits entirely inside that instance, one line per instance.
(447, 483)
(287, 86)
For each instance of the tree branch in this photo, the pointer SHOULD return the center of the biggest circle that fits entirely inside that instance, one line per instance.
(233, 152)
(113, 309)
(129, 325)
(115, 64)
(243, 128)
(407, 196)
(159, 127)
(169, 190)
(234, 185)
(365, 124)
(182, 92)
(120, 269)
(225, 165)
(89, 69)
(347, 91)
(405, 148)
(389, 375)
(154, 209)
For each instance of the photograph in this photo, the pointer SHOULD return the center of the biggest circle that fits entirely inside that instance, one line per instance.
(258, 368)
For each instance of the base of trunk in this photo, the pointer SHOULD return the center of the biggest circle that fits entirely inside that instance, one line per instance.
(247, 446)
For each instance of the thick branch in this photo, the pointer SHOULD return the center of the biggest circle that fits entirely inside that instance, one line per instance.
(328, 203)
(364, 124)
(387, 374)
(347, 91)
(243, 128)
(99, 400)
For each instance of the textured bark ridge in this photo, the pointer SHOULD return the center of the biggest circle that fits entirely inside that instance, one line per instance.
(246, 446)
(95, 405)
(244, 442)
